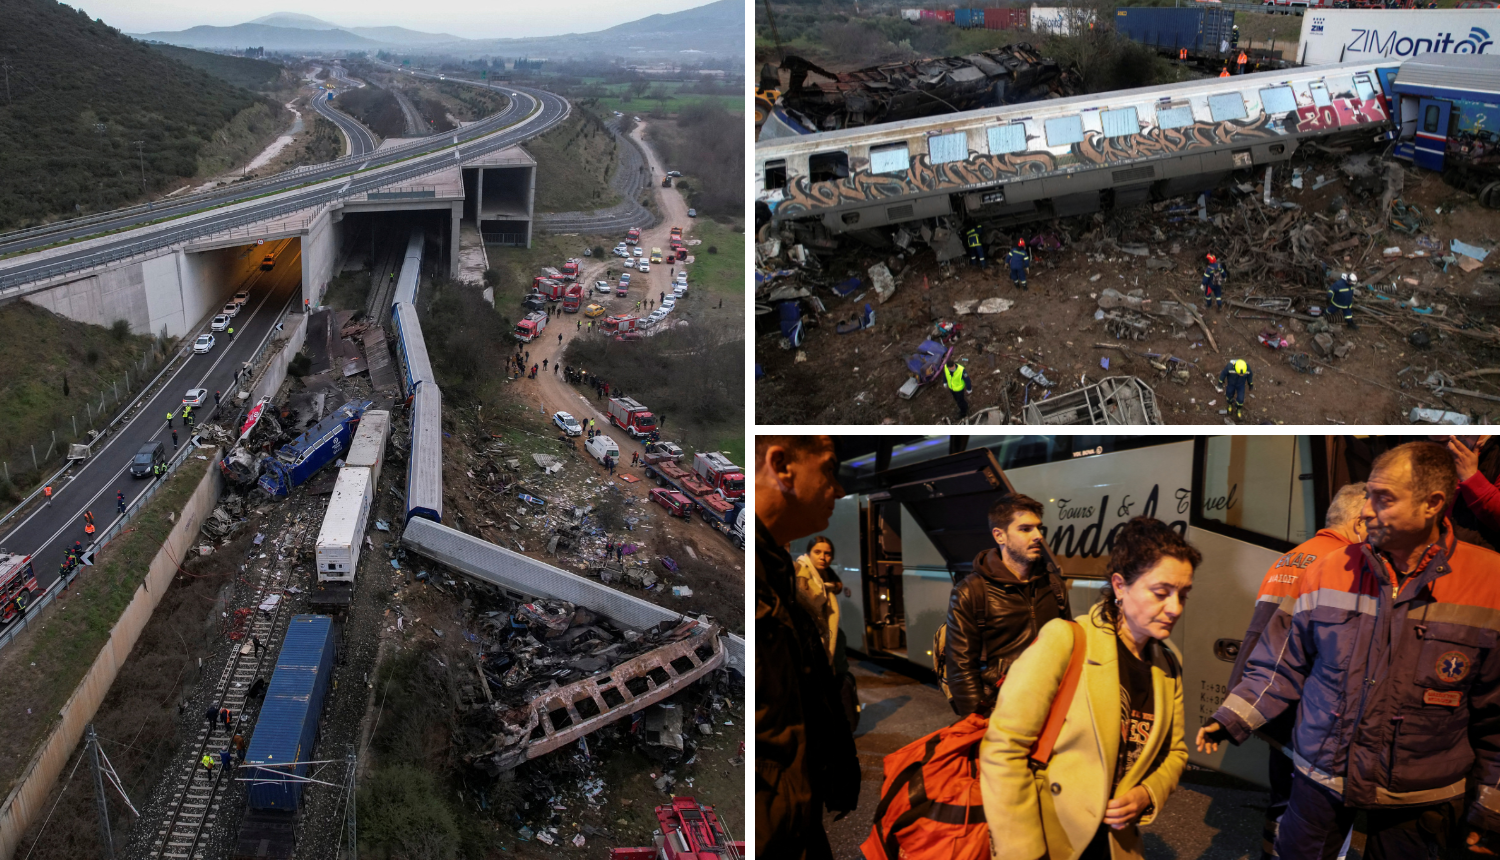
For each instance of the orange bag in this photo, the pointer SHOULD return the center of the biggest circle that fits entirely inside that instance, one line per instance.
(930, 804)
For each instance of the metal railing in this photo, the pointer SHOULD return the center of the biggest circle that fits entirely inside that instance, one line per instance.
(508, 240)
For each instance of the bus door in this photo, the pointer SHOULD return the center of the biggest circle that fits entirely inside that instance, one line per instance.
(1432, 132)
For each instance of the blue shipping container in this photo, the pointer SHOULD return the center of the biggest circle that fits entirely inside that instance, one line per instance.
(969, 17)
(288, 721)
(1199, 31)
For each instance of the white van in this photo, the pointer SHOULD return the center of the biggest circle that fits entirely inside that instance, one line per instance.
(602, 446)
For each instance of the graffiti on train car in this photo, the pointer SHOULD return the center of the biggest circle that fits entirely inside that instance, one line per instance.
(802, 197)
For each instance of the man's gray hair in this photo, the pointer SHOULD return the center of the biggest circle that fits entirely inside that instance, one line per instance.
(1347, 505)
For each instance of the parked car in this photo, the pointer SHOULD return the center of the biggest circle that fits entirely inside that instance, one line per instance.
(692, 213)
(151, 455)
(602, 446)
(681, 279)
(677, 504)
(657, 316)
(534, 302)
(568, 423)
(230, 310)
(220, 322)
(195, 397)
(643, 267)
(669, 302)
(637, 251)
(204, 344)
(593, 310)
(673, 173)
(602, 287)
(679, 291)
(242, 297)
(625, 278)
(630, 263)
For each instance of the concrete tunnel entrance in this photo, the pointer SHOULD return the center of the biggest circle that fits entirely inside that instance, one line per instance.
(374, 242)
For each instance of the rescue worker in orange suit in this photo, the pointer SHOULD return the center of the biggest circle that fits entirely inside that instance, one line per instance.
(1019, 260)
(1241, 60)
(1213, 283)
(1237, 379)
(1343, 526)
(1225, 72)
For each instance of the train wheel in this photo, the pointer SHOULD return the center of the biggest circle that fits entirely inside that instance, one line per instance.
(1490, 195)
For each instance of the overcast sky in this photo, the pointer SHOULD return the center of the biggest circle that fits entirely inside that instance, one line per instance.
(472, 19)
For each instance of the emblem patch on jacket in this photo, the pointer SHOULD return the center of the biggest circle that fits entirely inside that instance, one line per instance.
(1452, 667)
(1446, 698)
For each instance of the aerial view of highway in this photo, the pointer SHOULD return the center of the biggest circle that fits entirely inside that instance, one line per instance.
(321, 533)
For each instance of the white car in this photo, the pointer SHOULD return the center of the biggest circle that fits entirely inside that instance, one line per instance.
(643, 266)
(668, 303)
(656, 316)
(567, 423)
(603, 287)
(679, 291)
(681, 279)
(630, 263)
(242, 297)
(220, 322)
(195, 397)
(636, 118)
(230, 310)
(204, 344)
(638, 252)
(673, 173)
(625, 279)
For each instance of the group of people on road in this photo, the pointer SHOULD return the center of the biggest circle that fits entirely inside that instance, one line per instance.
(1370, 666)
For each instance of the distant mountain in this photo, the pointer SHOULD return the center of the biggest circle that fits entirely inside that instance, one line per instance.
(261, 35)
(717, 29)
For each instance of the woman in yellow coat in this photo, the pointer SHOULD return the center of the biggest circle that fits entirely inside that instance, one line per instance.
(1121, 748)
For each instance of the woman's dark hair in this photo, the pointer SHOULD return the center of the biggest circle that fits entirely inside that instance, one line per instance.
(1138, 546)
(821, 539)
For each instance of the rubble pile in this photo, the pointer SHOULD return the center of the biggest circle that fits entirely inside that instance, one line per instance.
(1125, 286)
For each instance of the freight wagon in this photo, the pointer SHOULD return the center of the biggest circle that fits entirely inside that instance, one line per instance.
(1007, 19)
(368, 447)
(1198, 31)
(286, 730)
(337, 549)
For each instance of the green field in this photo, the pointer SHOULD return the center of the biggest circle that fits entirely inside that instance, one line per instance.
(723, 272)
(618, 97)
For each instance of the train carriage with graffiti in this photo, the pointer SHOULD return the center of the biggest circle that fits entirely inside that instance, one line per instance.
(1064, 157)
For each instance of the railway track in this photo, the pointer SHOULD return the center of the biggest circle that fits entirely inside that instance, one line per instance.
(197, 795)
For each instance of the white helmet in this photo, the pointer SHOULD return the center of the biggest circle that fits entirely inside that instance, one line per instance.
(1353, 278)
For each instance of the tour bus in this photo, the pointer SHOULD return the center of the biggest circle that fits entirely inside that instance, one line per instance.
(915, 518)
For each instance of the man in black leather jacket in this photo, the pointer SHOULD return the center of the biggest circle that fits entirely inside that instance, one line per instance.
(805, 758)
(996, 611)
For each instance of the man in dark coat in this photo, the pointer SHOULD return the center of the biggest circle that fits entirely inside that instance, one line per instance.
(805, 757)
(996, 611)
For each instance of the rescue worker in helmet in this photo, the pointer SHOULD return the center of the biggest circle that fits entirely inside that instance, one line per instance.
(976, 247)
(1341, 297)
(1237, 379)
(1020, 260)
(1213, 283)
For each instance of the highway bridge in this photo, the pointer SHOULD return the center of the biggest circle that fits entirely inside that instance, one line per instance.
(191, 254)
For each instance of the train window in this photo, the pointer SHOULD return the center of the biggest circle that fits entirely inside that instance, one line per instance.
(1319, 94)
(1278, 100)
(1226, 106)
(1007, 138)
(1120, 123)
(1174, 117)
(944, 148)
(1064, 130)
(1363, 87)
(1430, 119)
(775, 174)
(893, 158)
(828, 166)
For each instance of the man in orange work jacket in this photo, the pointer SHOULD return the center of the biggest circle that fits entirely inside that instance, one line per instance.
(1343, 526)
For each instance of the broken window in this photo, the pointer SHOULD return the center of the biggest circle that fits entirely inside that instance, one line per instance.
(1363, 87)
(828, 166)
(1226, 106)
(1174, 117)
(944, 148)
(1278, 100)
(775, 174)
(1319, 94)
(1120, 123)
(1007, 138)
(1064, 130)
(894, 158)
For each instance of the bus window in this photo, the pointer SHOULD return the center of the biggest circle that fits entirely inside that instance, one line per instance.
(1258, 488)
(775, 174)
(828, 166)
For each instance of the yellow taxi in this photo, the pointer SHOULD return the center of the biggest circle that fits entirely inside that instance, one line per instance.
(593, 310)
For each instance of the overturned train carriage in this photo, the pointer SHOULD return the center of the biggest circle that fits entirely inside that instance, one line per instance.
(1065, 157)
(902, 91)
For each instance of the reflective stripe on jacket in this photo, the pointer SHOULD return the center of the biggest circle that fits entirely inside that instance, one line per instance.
(1392, 688)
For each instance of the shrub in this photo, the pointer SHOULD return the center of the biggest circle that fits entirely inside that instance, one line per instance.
(120, 329)
(491, 278)
(300, 364)
(92, 355)
(713, 249)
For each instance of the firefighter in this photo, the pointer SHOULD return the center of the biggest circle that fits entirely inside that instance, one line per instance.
(1234, 38)
(953, 373)
(1341, 296)
(1237, 379)
(1213, 283)
(971, 240)
(1020, 260)
(120, 501)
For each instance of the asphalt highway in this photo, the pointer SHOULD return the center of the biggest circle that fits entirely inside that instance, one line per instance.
(529, 113)
(47, 532)
(361, 140)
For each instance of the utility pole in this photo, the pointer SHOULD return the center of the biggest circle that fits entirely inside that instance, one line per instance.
(140, 152)
(106, 840)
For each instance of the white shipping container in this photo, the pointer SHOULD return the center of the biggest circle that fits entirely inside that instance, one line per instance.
(1354, 35)
(368, 447)
(1059, 20)
(344, 525)
(912, 14)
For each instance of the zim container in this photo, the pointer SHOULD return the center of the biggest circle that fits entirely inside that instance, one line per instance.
(287, 727)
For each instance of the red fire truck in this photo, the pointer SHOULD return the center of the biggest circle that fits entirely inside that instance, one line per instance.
(631, 416)
(18, 586)
(572, 298)
(689, 831)
(720, 473)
